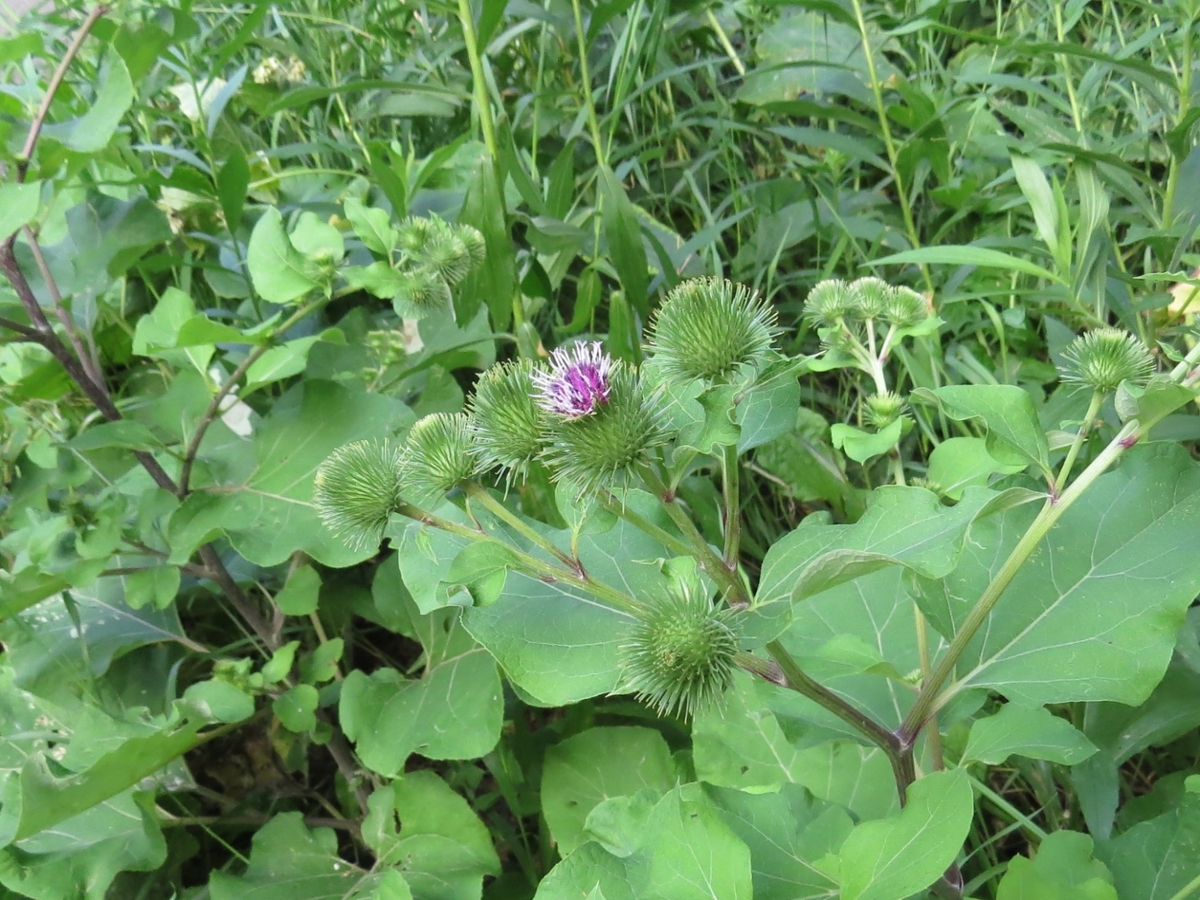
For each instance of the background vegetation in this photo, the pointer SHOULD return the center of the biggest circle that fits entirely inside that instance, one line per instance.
(167, 592)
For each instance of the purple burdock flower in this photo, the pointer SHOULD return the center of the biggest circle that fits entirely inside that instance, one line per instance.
(576, 383)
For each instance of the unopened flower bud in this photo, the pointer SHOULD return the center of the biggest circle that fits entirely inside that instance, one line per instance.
(906, 308)
(420, 292)
(438, 456)
(680, 654)
(505, 419)
(884, 409)
(710, 328)
(829, 302)
(870, 297)
(1103, 358)
(357, 488)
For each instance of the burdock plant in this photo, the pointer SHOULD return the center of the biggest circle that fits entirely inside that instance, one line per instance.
(671, 613)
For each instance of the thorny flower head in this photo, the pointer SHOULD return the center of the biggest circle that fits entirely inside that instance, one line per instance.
(577, 382)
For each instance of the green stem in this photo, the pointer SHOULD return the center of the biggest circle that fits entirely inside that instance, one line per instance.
(1004, 806)
(488, 126)
(547, 572)
(723, 38)
(585, 75)
(1093, 410)
(708, 560)
(479, 83)
(1187, 890)
(889, 143)
(786, 672)
(664, 537)
(478, 492)
(730, 474)
(798, 680)
(929, 701)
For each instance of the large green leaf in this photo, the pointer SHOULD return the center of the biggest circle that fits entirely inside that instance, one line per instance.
(888, 859)
(280, 272)
(76, 635)
(1029, 731)
(18, 206)
(1008, 413)
(453, 711)
(594, 766)
(556, 643)
(79, 858)
(1155, 860)
(1062, 870)
(290, 862)
(904, 526)
(686, 852)
(1120, 731)
(761, 737)
(792, 839)
(812, 53)
(1093, 613)
(439, 844)
(259, 490)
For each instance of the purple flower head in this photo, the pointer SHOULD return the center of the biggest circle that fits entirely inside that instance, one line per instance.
(576, 383)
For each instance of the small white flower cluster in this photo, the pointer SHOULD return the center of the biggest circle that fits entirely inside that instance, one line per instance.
(272, 71)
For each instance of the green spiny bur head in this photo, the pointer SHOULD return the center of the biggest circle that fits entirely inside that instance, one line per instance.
(602, 446)
(1103, 358)
(473, 241)
(906, 308)
(439, 455)
(357, 488)
(446, 254)
(505, 419)
(710, 328)
(413, 234)
(421, 292)
(870, 297)
(680, 655)
(829, 302)
(884, 409)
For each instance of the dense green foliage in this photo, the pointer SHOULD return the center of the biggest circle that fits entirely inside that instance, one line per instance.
(876, 583)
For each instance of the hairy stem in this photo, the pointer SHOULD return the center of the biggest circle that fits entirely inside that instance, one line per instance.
(214, 405)
(547, 572)
(1064, 473)
(39, 119)
(731, 474)
(479, 493)
(706, 558)
(664, 537)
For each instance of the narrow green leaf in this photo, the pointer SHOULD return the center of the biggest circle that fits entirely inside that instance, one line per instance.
(91, 132)
(984, 257)
(493, 284)
(233, 180)
(47, 800)
(624, 237)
